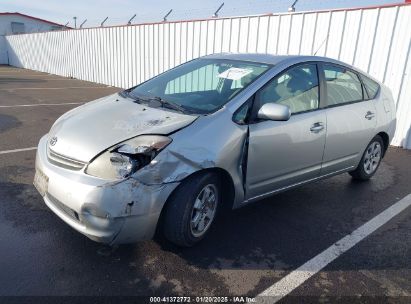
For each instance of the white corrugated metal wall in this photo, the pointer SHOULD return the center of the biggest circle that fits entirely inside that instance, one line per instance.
(376, 40)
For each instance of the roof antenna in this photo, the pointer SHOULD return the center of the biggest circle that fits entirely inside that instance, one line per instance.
(322, 43)
(215, 15)
(291, 9)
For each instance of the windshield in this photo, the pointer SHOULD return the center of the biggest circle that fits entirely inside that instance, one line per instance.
(200, 86)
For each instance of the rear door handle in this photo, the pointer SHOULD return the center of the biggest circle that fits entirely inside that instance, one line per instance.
(370, 115)
(317, 127)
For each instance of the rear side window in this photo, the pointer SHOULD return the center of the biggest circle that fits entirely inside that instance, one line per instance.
(371, 86)
(343, 86)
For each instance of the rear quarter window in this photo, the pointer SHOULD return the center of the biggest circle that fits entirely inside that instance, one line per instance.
(343, 85)
(371, 86)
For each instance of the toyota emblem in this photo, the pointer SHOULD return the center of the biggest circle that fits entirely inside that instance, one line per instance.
(53, 141)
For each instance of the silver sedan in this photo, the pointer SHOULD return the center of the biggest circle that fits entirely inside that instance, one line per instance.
(217, 132)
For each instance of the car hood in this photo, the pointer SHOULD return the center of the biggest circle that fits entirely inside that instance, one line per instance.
(85, 131)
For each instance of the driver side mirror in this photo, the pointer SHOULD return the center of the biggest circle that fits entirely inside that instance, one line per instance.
(274, 111)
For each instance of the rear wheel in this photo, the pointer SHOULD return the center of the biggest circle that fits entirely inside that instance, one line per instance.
(192, 209)
(370, 160)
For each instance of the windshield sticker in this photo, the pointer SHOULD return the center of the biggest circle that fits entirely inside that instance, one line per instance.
(234, 73)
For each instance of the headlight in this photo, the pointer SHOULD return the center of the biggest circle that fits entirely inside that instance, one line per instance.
(127, 157)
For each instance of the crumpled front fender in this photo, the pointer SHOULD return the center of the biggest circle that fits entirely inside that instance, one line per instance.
(209, 142)
(175, 165)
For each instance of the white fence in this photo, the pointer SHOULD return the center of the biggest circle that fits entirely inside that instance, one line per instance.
(376, 40)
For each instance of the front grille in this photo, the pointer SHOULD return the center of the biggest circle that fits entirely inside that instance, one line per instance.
(64, 161)
(67, 210)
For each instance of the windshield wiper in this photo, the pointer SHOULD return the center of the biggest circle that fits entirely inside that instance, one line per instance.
(139, 99)
(168, 104)
(164, 103)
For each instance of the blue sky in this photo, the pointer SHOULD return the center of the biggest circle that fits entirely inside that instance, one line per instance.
(119, 11)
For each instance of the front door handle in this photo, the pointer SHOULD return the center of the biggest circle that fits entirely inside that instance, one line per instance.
(369, 115)
(317, 127)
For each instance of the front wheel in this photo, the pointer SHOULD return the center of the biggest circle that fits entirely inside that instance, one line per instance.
(192, 209)
(370, 160)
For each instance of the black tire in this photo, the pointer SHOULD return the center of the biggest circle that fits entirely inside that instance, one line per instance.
(360, 173)
(177, 225)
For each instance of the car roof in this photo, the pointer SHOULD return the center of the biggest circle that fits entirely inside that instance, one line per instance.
(277, 59)
(271, 59)
(255, 57)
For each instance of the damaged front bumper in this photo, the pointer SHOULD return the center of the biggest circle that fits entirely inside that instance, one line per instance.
(110, 212)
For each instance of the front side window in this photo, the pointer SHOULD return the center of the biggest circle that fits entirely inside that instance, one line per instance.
(201, 86)
(242, 115)
(343, 86)
(297, 88)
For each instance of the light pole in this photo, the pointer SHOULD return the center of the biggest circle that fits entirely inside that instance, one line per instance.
(75, 22)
